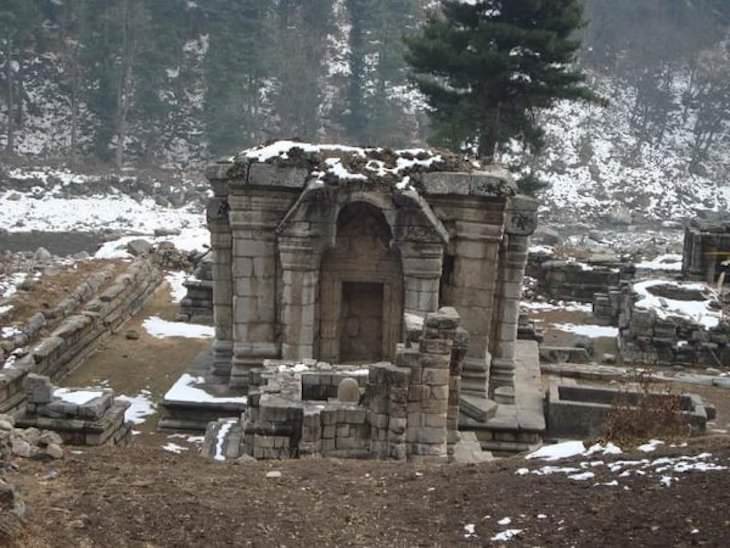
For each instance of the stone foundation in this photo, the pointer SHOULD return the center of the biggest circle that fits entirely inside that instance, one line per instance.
(84, 416)
(406, 410)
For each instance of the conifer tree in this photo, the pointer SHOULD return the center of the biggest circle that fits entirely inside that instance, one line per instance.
(487, 66)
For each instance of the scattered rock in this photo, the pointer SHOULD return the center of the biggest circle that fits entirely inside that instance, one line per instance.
(22, 448)
(245, 459)
(132, 334)
(139, 247)
(42, 254)
(54, 451)
(273, 474)
(546, 236)
(161, 232)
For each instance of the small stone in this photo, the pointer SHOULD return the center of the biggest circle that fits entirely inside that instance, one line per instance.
(48, 437)
(348, 390)
(132, 334)
(42, 254)
(54, 451)
(273, 474)
(245, 459)
(31, 435)
(22, 448)
(5, 425)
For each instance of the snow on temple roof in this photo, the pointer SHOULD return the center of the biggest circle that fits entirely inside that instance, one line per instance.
(334, 164)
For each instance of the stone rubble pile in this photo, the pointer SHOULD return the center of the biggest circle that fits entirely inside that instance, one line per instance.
(28, 442)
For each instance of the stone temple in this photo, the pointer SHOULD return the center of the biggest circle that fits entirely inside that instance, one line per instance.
(376, 265)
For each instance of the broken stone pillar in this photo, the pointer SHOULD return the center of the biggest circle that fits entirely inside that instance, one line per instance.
(456, 367)
(428, 394)
(221, 242)
(520, 223)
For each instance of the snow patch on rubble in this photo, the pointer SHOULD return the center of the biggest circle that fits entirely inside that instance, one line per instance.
(186, 389)
(592, 331)
(668, 262)
(177, 289)
(78, 397)
(700, 312)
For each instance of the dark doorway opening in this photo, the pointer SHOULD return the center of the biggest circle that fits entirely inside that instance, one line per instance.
(361, 336)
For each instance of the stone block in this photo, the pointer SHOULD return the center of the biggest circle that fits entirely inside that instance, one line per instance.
(436, 377)
(38, 388)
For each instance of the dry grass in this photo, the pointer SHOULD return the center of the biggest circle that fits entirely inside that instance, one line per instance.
(637, 417)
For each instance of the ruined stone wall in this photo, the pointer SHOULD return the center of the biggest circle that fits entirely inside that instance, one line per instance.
(646, 338)
(78, 335)
(407, 410)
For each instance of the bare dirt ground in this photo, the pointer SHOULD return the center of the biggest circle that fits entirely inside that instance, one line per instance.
(147, 363)
(140, 497)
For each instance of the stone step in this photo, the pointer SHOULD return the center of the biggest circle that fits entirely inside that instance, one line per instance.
(478, 408)
(504, 395)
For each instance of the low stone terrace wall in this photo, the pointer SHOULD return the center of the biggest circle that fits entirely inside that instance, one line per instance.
(79, 333)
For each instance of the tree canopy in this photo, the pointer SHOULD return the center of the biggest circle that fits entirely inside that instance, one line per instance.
(486, 67)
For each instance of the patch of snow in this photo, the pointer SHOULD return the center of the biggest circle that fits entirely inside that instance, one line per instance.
(669, 262)
(582, 476)
(699, 312)
(177, 289)
(79, 397)
(141, 407)
(174, 448)
(222, 433)
(558, 451)
(469, 530)
(651, 446)
(506, 535)
(592, 331)
(505, 521)
(159, 328)
(186, 389)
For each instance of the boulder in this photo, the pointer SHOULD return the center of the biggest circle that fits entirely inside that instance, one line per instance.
(139, 247)
(42, 254)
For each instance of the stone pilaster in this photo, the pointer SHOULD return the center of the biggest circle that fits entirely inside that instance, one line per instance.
(521, 221)
(221, 248)
(299, 293)
(422, 267)
(254, 217)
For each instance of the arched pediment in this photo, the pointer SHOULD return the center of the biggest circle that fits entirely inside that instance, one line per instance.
(315, 213)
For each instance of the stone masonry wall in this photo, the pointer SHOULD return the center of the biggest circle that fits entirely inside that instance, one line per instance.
(79, 334)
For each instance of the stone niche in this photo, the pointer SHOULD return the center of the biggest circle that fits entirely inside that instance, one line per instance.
(321, 252)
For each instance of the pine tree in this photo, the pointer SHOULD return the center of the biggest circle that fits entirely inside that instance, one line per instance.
(486, 67)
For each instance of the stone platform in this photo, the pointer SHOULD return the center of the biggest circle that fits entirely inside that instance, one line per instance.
(198, 397)
(505, 429)
(81, 416)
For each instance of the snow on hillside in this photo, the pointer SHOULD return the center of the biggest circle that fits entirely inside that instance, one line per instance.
(597, 171)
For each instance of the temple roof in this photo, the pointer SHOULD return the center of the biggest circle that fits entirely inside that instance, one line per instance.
(407, 170)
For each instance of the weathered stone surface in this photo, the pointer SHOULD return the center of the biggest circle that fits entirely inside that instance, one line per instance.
(348, 391)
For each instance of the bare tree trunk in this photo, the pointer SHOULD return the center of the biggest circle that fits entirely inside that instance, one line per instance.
(123, 89)
(9, 78)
